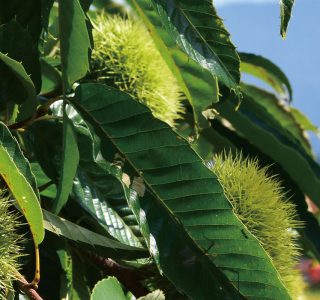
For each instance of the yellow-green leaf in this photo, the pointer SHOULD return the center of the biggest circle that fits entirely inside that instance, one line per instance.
(15, 170)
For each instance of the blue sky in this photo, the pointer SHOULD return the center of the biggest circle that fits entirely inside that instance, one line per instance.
(255, 29)
(228, 2)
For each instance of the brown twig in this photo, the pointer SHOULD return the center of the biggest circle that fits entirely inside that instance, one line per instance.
(130, 277)
(42, 110)
(28, 288)
(46, 185)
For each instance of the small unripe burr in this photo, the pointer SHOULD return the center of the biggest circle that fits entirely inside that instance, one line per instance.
(10, 251)
(263, 207)
(125, 57)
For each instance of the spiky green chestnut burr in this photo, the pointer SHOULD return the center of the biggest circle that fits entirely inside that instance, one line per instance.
(9, 246)
(260, 203)
(125, 56)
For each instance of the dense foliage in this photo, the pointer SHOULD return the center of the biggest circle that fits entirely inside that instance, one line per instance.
(115, 122)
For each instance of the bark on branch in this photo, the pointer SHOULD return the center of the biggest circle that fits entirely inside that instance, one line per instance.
(27, 288)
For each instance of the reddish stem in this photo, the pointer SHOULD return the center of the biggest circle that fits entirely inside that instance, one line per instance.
(28, 289)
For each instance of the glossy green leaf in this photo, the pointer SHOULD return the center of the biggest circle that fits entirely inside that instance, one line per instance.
(195, 45)
(156, 233)
(91, 195)
(69, 164)
(285, 15)
(201, 34)
(175, 253)
(267, 71)
(162, 231)
(15, 170)
(89, 239)
(98, 192)
(103, 197)
(74, 40)
(182, 185)
(260, 128)
(108, 289)
(280, 112)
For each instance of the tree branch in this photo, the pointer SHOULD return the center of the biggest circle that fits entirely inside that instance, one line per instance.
(131, 278)
(42, 111)
(27, 288)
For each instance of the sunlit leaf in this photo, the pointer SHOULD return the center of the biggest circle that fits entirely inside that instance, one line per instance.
(108, 289)
(16, 172)
(304, 121)
(196, 46)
